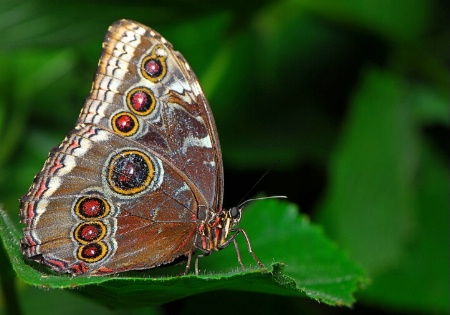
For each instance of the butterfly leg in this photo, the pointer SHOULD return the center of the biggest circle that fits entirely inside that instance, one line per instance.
(249, 245)
(196, 261)
(188, 264)
(238, 252)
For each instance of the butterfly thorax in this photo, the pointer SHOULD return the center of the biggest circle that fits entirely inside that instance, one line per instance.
(214, 231)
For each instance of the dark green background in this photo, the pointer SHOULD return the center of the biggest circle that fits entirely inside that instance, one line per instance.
(350, 97)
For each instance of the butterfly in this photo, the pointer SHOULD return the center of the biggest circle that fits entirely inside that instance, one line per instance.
(139, 181)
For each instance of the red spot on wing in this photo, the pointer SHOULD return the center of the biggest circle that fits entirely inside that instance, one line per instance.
(128, 173)
(124, 123)
(91, 251)
(152, 67)
(91, 207)
(89, 232)
(140, 101)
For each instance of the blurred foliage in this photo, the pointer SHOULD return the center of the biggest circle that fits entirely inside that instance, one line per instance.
(350, 96)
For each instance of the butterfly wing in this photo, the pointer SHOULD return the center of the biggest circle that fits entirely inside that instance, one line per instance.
(138, 66)
(123, 189)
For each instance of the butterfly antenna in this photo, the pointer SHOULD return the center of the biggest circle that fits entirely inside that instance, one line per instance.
(260, 198)
(242, 203)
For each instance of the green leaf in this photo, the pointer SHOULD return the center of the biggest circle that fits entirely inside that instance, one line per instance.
(300, 262)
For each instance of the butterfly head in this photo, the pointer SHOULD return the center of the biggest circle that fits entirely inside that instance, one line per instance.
(230, 220)
(235, 214)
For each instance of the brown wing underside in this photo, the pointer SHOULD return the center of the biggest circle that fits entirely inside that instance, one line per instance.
(144, 155)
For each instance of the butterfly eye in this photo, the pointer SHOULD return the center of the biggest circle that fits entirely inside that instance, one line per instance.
(234, 213)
